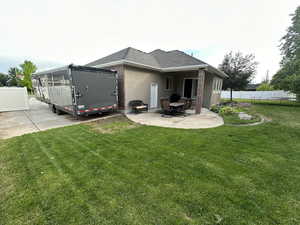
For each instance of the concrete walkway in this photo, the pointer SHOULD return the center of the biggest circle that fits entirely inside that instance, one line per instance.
(39, 117)
(206, 119)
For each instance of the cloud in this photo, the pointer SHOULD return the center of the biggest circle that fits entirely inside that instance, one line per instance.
(81, 31)
(7, 62)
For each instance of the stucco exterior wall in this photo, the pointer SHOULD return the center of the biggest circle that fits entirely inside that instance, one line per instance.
(216, 91)
(208, 95)
(137, 85)
(208, 86)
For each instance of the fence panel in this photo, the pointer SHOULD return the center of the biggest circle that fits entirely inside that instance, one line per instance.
(13, 98)
(259, 95)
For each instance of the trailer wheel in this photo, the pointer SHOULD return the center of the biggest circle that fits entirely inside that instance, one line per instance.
(59, 112)
(53, 109)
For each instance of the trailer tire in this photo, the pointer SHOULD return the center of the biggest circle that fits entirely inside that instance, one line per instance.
(59, 112)
(53, 109)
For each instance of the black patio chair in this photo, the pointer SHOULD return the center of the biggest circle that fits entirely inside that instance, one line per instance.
(174, 97)
(138, 106)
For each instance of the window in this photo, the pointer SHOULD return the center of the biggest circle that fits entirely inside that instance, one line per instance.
(217, 85)
(169, 83)
(190, 88)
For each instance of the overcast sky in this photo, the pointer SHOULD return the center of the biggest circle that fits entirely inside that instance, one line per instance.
(56, 32)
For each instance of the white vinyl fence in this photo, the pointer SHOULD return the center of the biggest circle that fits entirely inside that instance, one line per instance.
(263, 95)
(13, 98)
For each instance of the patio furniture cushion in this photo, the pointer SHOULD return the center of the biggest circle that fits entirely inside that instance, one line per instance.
(141, 107)
(138, 106)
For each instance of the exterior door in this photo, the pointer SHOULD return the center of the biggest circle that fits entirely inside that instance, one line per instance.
(153, 95)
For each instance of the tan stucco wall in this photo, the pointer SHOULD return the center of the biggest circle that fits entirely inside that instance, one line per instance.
(208, 90)
(137, 85)
(208, 86)
(216, 95)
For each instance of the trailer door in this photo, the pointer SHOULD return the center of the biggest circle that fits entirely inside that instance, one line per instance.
(94, 88)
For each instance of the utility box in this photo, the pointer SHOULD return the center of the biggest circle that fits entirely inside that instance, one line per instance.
(13, 99)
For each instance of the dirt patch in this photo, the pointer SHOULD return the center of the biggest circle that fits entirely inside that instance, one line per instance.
(112, 125)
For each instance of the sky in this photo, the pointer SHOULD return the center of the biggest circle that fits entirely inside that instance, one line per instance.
(58, 32)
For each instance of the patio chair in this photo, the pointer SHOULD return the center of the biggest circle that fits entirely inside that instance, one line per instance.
(165, 106)
(138, 106)
(175, 97)
(187, 103)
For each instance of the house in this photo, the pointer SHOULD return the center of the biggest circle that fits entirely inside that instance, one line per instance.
(252, 87)
(158, 74)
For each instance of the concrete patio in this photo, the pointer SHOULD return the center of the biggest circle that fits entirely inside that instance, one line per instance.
(206, 119)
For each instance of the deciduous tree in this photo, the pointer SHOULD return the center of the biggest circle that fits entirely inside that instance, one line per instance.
(240, 69)
(28, 68)
(13, 74)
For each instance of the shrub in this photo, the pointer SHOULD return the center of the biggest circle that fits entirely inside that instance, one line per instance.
(227, 110)
(265, 87)
(215, 108)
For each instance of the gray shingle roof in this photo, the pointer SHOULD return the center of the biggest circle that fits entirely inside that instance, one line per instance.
(157, 58)
(129, 54)
(174, 58)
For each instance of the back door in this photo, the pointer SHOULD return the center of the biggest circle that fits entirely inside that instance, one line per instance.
(94, 88)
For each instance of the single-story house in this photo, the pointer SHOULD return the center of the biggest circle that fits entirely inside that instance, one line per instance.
(158, 74)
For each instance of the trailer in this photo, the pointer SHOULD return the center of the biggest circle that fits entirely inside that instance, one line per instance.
(77, 90)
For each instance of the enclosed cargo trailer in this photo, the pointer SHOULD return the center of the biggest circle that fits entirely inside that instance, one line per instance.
(77, 90)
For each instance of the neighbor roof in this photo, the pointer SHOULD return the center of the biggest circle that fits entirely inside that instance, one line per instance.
(164, 61)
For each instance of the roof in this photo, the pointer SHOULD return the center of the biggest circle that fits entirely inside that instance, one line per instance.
(160, 60)
(252, 86)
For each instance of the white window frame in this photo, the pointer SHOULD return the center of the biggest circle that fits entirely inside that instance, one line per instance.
(217, 85)
(171, 84)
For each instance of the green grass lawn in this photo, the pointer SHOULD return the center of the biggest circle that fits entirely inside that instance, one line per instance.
(266, 102)
(121, 173)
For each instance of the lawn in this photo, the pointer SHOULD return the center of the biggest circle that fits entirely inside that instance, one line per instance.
(266, 102)
(121, 173)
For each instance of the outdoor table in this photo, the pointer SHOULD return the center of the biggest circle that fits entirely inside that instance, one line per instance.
(177, 107)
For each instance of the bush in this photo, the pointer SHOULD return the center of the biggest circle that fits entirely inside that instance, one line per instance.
(227, 110)
(265, 87)
(215, 108)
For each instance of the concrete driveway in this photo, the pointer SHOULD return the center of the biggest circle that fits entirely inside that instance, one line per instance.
(39, 117)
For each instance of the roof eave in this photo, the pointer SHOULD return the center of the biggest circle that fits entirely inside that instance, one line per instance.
(166, 69)
(140, 65)
(216, 71)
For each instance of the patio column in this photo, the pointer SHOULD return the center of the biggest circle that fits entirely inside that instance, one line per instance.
(200, 91)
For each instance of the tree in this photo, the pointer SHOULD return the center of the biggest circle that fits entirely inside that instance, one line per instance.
(3, 79)
(266, 79)
(290, 43)
(265, 87)
(292, 83)
(288, 76)
(289, 68)
(13, 79)
(28, 68)
(240, 69)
